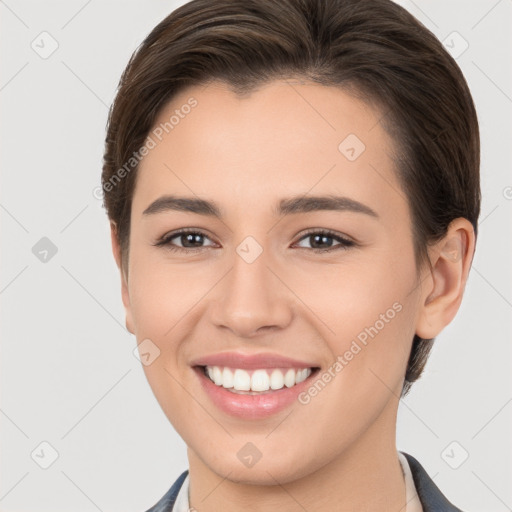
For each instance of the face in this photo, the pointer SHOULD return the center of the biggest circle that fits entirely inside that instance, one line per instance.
(269, 279)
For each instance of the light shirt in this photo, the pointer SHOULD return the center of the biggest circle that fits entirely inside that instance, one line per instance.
(412, 501)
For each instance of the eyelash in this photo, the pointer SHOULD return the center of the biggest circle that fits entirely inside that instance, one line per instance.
(166, 241)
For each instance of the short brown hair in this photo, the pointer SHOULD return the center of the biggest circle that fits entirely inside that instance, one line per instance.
(373, 49)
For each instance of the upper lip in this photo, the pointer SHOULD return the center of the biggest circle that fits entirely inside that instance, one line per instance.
(251, 361)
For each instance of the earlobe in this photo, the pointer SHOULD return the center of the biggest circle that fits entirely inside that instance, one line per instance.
(451, 260)
(116, 250)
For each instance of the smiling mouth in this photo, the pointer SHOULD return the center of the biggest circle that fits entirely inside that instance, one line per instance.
(257, 381)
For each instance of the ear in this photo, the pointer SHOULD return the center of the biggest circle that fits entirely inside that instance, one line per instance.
(451, 260)
(116, 250)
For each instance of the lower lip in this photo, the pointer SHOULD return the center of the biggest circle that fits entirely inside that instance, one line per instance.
(252, 406)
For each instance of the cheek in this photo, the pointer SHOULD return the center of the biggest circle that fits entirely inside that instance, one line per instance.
(163, 295)
(369, 312)
(360, 296)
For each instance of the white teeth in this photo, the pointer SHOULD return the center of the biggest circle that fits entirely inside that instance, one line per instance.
(217, 375)
(227, 378)
(301, 375)
(289, 378)
(276, 379)
(260, 380)
(242, 380)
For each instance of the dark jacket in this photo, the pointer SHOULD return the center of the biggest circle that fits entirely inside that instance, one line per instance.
(431, 498)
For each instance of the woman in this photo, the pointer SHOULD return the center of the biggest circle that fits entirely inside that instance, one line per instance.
(293, 191)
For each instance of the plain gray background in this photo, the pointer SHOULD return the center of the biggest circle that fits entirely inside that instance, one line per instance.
(68, 374)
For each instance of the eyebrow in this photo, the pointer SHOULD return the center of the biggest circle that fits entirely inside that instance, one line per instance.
(287, 206)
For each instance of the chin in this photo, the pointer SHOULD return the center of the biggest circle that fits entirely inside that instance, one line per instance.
(264, 472)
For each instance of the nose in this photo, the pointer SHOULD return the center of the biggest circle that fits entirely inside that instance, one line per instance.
(252, 298)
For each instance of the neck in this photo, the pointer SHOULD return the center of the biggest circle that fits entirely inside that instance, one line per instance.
(365, 476)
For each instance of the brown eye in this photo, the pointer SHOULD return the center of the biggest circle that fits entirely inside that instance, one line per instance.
(321, 241)
(188, 240)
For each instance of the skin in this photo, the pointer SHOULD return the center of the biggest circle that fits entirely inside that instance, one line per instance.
(337, 452)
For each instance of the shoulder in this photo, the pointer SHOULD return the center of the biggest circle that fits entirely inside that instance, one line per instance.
(432, 499)
(166, 503)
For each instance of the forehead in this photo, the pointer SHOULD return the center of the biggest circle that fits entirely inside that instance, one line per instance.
(284, 137)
